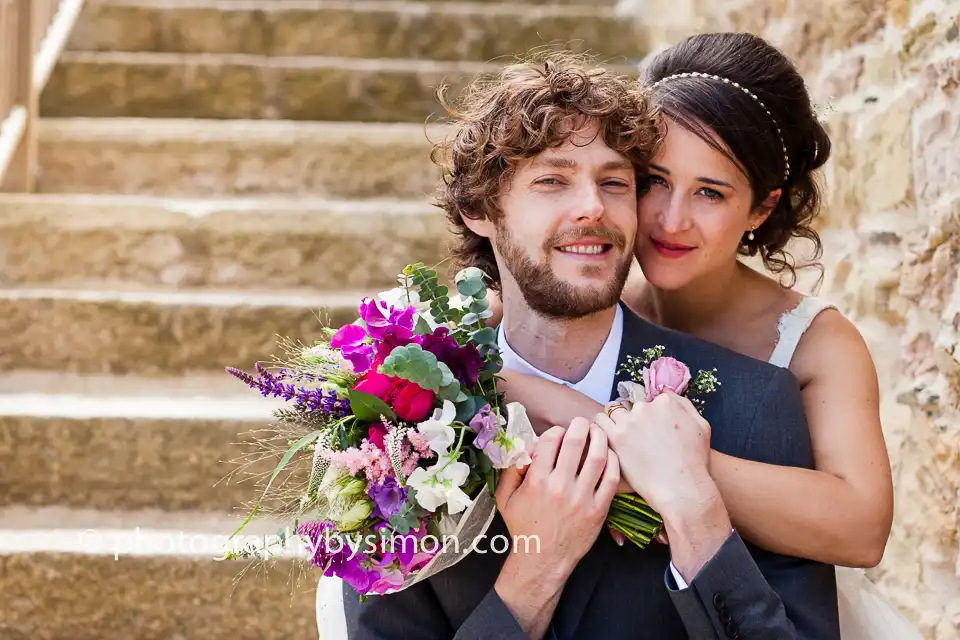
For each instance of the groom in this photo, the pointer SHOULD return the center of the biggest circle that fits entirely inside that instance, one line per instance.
(541, 188)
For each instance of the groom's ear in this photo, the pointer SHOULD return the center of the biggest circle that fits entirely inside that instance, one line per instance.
(482, 226)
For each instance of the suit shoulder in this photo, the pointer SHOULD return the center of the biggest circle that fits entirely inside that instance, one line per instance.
(699, 353)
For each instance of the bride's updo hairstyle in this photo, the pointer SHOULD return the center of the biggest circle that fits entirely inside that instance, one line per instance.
(752, 98)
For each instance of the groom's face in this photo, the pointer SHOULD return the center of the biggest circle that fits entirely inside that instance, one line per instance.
(564, 238)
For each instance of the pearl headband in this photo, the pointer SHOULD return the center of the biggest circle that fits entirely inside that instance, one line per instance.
(695, 74)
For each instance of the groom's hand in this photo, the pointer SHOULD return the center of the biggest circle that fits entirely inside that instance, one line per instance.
(557, 508)
(664, 451)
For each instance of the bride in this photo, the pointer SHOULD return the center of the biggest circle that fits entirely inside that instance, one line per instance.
(734, 177)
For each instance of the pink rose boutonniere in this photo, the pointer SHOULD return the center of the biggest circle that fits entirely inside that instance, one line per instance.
(654, 373)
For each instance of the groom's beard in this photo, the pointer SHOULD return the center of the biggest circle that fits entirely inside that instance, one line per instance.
(549, 296)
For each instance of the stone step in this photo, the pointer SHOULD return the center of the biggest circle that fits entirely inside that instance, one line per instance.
(76, 578)
(130, 443)
(388, 29)
(240, 86)
(209, 158)
(77, 241)
(160, 331)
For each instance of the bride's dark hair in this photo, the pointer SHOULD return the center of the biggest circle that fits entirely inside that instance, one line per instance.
(747, 125)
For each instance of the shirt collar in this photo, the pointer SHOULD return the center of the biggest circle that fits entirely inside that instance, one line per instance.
(597, 384)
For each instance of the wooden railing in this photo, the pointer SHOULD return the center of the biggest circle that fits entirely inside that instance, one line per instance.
(32, 35)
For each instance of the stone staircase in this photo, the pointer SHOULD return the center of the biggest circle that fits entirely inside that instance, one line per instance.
(213, 173)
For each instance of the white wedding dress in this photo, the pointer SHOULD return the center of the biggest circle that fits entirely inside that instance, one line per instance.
(864, 613)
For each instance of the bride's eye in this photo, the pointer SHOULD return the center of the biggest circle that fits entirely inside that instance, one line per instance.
(655, 180)
(712, 194)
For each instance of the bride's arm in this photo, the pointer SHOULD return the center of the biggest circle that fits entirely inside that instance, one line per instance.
(838, 514)
(841, 513)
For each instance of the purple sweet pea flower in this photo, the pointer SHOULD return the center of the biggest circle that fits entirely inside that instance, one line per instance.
(350, 340)
(486, 424)
(353, 573)
(388, 497)
(399, 323)
(464, 361)
(387, 575)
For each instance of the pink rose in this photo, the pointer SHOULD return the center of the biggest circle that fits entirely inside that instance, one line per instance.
(665, 374)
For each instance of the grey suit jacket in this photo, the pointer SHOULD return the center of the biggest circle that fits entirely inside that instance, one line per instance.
(624, 592)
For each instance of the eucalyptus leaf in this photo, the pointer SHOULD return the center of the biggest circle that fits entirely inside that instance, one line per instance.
(470, 318)
(466, 409)
(447, 375)
(487, 335)
(423, 327)
(470, 273)
(479, 306)
(470, 287)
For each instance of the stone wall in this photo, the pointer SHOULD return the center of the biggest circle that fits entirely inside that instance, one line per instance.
(887, 76)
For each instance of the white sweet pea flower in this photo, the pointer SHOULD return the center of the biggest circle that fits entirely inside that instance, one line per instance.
(438, 430)
(511, 448)
(401, 298)
(440, 484)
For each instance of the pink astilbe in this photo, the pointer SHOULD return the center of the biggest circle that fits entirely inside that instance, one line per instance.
(420, 443)
(352, 459)
(378, 462)
(417, 448)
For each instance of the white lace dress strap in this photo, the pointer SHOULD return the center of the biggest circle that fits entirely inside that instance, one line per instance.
(792, 326)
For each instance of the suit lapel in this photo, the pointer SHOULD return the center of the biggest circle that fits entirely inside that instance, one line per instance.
(585, 577)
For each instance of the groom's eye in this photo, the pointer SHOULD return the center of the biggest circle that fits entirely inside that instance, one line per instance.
(619, 184)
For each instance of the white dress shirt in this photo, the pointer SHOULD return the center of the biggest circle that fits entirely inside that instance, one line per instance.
(596, 385)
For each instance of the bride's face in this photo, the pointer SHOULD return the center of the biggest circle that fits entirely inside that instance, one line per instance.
(694, 214)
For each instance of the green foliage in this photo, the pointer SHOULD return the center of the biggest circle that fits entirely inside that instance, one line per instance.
(368, 408)
(412, 363)
(410, 514)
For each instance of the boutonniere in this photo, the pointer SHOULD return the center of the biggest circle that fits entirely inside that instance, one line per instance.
(654, 373)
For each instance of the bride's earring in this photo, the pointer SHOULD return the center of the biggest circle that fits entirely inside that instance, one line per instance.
(750, 235)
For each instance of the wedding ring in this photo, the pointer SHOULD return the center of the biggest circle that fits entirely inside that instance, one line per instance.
(613, 408)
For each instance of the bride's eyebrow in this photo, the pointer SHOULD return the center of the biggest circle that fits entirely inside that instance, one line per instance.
(705, 180)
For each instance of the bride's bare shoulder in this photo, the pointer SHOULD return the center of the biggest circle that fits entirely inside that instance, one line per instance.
(831, 343)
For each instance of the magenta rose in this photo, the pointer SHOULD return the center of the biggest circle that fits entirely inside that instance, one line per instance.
(665, 374)
(409, 401)
(378, 384)
(412, 403)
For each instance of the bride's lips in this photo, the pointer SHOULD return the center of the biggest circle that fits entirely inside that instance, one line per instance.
(670, 249)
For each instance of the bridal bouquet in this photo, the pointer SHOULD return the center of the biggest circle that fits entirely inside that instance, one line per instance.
(403, 431)
(630, 517)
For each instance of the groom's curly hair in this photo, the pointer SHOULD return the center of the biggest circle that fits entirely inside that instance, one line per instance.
(528, 107)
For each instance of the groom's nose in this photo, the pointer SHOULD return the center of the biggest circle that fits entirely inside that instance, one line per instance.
(589, 203)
